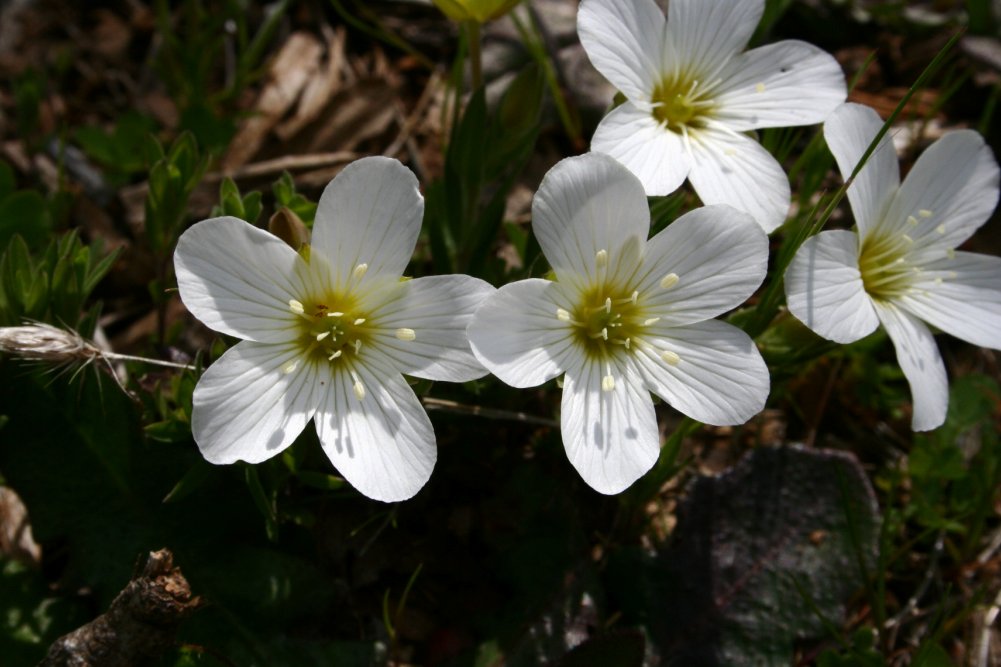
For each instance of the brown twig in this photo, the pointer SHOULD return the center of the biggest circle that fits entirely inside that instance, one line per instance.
(140, 625)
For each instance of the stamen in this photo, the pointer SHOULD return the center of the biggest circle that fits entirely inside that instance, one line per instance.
(925, 213)
(290, 366)
(938, 281)
(651, 321)
(357, 345)
(608, 305)
(670, 358)
(562, 315)
(406, 334)
(908, 239)
(608, 383)
(360, 270)
(760, 87)
(359, 390)
(912, 221)
(940, 229)
(335, 355)
(627, 343)
(360, 321)
(601, 258)
(951, 253)
(321, 336)
(604, 333)
(635, 297)
(335, 314)
(669, 281)
(296, 307)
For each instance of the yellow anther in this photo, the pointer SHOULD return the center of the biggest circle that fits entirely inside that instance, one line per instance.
(290, 366)
(608, 305)
(925, 213)
(950, 253)
(669, 281)
(652, 320)
(670, 358)
(940, 229)
(296, 307)
(912, 221)
(360, 321)
(406, 334)
(635, 297)
(321, 336)
(760, 87)
(601, 258)
(360, 270)
(608, 383)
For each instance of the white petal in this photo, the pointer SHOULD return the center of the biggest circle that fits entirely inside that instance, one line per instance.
(436, 311)
(780, 85)
(623, 40)
(611, 436)
(921, 362)
(238, 279)
(719, 378)
(705, 35)
(516, 334)
(382, 443)
(951, 190)
(720, 256)
(369, 214)
(734, 169)
(824, 288)
(649, 150)
(961, 296)
(248, 408)
(849, 131)
(587, 204)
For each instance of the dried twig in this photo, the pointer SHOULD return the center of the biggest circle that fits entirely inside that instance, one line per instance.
(140, 625)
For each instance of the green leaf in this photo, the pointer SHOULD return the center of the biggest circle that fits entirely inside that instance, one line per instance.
(24, 213)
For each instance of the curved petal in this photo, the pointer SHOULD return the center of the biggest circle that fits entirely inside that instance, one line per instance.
(610, 435)
(824, 288)
(584, 205)
(650, 151)
(921, 362)
(720, 256)
(369, 214)
(238, 279)
(705, 35)
(718, 376)
(624, 40)
(961, 296)
(780, 85)
(383, 442)
(515, 333)
(423, 331)
(951, 190)
(734, 169)
(248, 408)
(849, 131)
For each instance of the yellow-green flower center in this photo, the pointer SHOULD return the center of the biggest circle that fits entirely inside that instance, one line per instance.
(681, 104)
(332, 328)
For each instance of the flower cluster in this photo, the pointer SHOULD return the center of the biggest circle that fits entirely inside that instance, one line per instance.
(329, 331)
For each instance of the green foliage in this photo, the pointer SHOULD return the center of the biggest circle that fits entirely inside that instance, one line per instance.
(122, 152)
(286, 196)
(53, 285)
(172, 179)
(246, 207)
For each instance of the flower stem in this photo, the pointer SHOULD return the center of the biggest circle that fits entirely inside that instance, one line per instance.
(475, 54)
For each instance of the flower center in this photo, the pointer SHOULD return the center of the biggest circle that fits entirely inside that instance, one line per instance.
(331, 328)
(884, 259)
(680, 104)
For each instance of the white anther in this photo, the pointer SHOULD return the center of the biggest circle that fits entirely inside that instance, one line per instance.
(321, 336)
(357, 345)
(562, 315)
(912, 221)
(608, 305)
(335, 314)
(669, 281)
(360, 270)
(651, 321)
(760, 87)
(670, 358)
(938, 281)
(925, 213)
(359, 390)
(908, 238)
(634, 297)
(360, 321)
(604, 333)
(406, 334)
(290, 366)
(940, 229)
(626, 343)
(608, 383)
(729, 151)
(951, 253)
(601, 258)
(335, 355)
(296, 307)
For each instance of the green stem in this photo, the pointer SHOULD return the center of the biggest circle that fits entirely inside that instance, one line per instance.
(475, 54)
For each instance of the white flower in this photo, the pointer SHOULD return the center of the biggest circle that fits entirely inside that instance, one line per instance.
(327, 339)
(902, 267)
(692, 93)
(626, 316)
